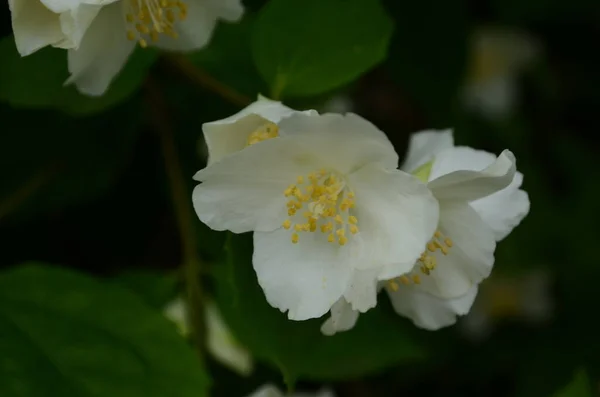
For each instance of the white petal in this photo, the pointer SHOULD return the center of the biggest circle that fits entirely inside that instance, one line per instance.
(424, 145)
(34, 26)
(427, 311)
(397, 215)
(342, 318)
(223, 346)
(362, 291)
(75, 24)
(103, 52)
(177, 313)
(469, 260)
(466, 184)
(229, 10)
(244, 191)
(196, 30)
(504, 210)
(342, 142)
(306, 278)
(230, 135)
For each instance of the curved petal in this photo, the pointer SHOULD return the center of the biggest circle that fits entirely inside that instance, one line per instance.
(195, 31)
(397, 215)
(361, 294)
(267, 390)
(244, 191)
(75, 24)
(465, 184)
(424, 146)
(230, 134)
(103, 52)
(470, 257)
(304, 279)
(344, 142)
(504, 210)
(34, 26)
(342, 318)
(427, 311)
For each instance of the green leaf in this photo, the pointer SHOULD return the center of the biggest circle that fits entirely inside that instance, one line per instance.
(579, 386)
(24, 84)
(379, 340)
(51, 161)
(428, 53)
(228, 58)
(307, 47)
(157, 289)
(66, 334)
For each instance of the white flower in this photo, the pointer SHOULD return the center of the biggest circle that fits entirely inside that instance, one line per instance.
(480, 203)
(272, 391)
(179, 25)
(498, 55)
(330, 212)
(58, 23)
(220, 342)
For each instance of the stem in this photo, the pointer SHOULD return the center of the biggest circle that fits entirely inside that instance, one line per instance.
(181, 199)
(206, 81)
(28, 189)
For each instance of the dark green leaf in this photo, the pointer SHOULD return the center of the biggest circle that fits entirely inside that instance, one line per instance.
(229, 60)
(24, 83)
(379, 340)
(307, 47)
(157, 289)
(65, 334)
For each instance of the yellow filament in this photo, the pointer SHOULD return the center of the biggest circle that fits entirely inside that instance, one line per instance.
(428, 261)
(148, 19)
(328, 203)
(267, 131)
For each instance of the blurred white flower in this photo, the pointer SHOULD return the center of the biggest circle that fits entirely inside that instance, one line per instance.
(330, 212)
(272, 391)
(480, 203)
(498, 55)
(524, 297)
(58, 23)
(220, 342)
(179, 25)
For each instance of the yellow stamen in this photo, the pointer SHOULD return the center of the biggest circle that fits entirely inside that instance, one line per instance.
(147, 19)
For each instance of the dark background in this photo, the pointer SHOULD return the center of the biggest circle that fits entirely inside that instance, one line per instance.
(122, 219)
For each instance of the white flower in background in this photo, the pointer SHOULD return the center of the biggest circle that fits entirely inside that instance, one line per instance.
(524, 297)
(220, 342)
(58, 23)
(179, 25)
(272, 391)
(497, 57)
(330, 212)
(480, 203)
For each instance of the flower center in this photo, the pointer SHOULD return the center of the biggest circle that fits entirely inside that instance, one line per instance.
(327, 205)
(266, 131)
(148, 19)
(426, 263)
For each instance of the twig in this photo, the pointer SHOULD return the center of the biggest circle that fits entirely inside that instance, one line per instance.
(192, 264)
(206, 81)
(28, 189)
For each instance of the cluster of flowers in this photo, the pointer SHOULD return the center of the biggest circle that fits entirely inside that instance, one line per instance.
(335, 220)
(100, 35)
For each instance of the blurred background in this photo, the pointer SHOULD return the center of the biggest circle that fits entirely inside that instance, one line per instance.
(90, 191)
